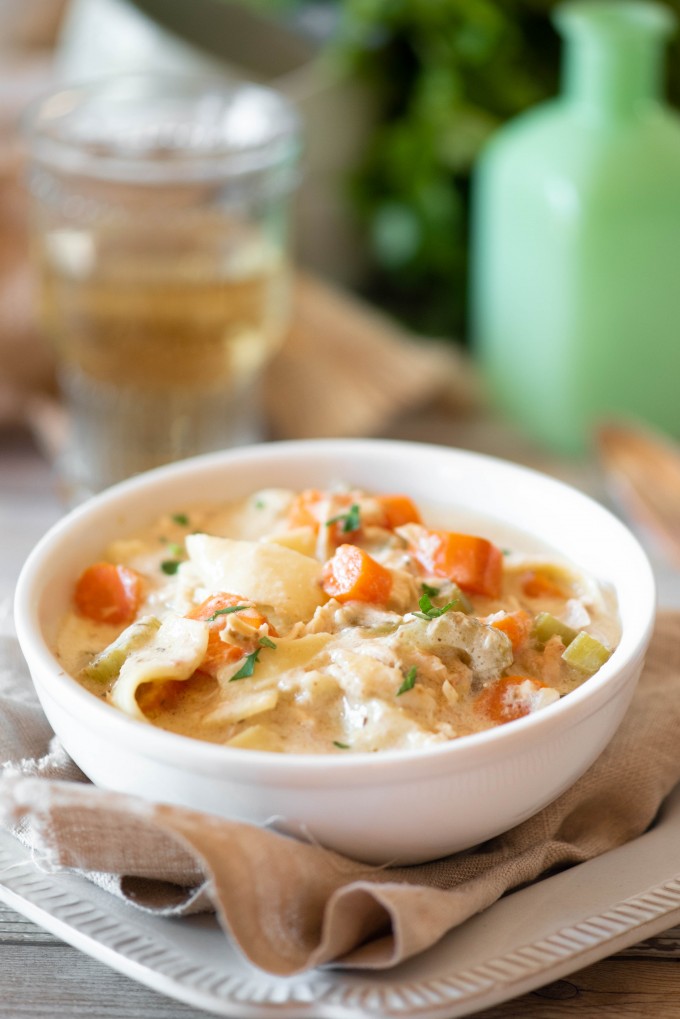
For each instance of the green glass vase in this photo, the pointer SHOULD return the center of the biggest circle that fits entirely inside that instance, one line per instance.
(575, 273)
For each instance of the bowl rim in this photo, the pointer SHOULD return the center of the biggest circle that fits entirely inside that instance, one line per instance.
(357, 767)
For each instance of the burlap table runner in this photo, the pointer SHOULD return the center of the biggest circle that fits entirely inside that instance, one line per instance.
(289, 905)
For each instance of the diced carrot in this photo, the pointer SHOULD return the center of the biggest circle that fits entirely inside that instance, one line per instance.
(353, 575)
(301, 512)
(473, 563)
(398, 510)
(517, 626)
(218, 602)
(108, 593)
(310, 507)
(536, 584)
(220, 652)
(498, 703)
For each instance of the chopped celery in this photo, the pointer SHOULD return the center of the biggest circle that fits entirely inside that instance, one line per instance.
(546, 626)
(586, 653)
(108, 663)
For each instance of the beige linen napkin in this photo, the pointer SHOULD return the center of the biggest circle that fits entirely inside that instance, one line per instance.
(290, 905)
(347, 369)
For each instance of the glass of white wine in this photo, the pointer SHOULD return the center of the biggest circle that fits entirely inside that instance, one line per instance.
(160, 231)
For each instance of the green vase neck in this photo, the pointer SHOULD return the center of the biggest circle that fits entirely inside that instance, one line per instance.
(614, 53)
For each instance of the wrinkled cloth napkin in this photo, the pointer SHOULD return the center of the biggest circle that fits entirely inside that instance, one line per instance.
(290, 905)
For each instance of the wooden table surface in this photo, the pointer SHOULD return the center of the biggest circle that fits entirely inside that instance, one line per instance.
(40, 976)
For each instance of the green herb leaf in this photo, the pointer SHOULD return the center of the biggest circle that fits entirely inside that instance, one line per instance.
(431, 592)
(409, 681)
(175, 549)
(351, 520)
(426, 605)
(181, 518)
(340, 746)
(267, 642)
(260, 504)
(226, 612)
(248, 667)
(170, 566)
(430, 611)
(435, 613)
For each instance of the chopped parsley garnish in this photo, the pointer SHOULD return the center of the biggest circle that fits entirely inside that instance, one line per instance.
(175, 549)
(340, 746)
(430, 611)
(351, 520)
(170, 566)
(409, 681)
(260, 504)
(226, 612)
(431, 592)
(248, 667)
(460, 603)
(250, 661)
(181, 518)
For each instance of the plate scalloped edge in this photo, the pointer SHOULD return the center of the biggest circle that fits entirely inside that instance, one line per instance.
(493, 957)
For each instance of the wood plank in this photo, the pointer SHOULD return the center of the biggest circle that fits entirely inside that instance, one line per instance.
(16, 930)
(618, 987)
(58, 982)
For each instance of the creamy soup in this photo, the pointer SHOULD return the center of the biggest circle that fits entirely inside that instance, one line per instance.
(332, 621)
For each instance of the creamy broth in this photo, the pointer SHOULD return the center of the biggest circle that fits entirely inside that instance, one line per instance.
(333, 622)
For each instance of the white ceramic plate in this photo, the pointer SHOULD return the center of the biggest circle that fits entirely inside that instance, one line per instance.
(525, 940)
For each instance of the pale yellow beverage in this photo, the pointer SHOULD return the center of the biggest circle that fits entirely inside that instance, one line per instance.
(160, 227)
(160, 338)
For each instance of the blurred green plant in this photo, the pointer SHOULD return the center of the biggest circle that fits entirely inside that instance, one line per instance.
(446, 73)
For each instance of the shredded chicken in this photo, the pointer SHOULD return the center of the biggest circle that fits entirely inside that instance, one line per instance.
(334, 617)
(455, 636)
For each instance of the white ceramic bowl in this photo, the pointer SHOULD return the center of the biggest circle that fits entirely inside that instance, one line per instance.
(399, 805)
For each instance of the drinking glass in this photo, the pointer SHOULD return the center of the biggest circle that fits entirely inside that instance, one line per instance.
(160, 230)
